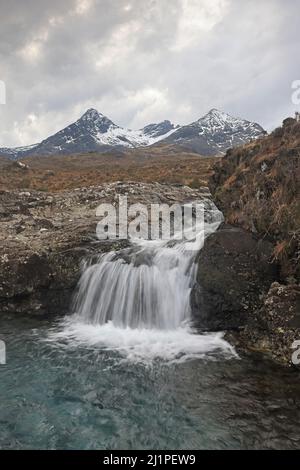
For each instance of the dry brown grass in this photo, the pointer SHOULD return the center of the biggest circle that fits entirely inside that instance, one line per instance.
(66, 172)
(258, 188)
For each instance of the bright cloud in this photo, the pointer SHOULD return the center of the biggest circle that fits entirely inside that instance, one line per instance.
(196, 19)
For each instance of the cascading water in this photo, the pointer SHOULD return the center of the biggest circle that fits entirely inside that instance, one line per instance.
(146, 286)
(137, 300)
(149, 291)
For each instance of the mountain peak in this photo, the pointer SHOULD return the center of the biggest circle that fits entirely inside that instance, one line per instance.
(93, 122)
(216, 132)
(92, 114)
(215, 113)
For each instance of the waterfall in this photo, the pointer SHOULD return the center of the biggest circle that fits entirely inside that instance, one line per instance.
(145, 286)
(136, 302)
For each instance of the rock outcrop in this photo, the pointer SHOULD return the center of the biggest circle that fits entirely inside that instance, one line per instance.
(276, 326)
(233, 273)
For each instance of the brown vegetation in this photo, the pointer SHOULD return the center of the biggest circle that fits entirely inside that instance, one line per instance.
(162, 164)
(257, 186)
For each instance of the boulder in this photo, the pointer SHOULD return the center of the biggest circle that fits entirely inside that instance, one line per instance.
(234, 271)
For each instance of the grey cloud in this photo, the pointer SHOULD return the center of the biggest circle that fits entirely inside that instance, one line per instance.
(144, 60)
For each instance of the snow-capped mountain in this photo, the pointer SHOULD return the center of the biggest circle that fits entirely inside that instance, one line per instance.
(215, 133)
(94, 132)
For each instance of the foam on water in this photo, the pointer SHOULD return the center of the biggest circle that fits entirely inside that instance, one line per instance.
(143, 345)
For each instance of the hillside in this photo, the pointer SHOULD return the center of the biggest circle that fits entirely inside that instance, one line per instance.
(251, 276)
(257, 187)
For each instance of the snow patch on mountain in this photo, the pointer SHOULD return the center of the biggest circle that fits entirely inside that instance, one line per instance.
(215, 133)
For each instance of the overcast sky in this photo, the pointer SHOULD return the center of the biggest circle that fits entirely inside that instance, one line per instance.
(142, 61)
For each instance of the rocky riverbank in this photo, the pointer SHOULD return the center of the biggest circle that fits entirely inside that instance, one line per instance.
(248, 277)
(45, 236)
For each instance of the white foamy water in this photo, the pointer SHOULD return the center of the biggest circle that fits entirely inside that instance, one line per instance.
(137, 302)
(143, 345)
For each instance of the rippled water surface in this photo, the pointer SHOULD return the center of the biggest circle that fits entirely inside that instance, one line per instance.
(61, 393)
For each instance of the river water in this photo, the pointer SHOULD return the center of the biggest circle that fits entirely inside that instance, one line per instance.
(72, 395)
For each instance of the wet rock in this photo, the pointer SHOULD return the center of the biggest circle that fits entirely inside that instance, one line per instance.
(276, 325)
(234, 270)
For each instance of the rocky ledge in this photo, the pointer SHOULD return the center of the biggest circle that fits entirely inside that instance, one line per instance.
(45, 236)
